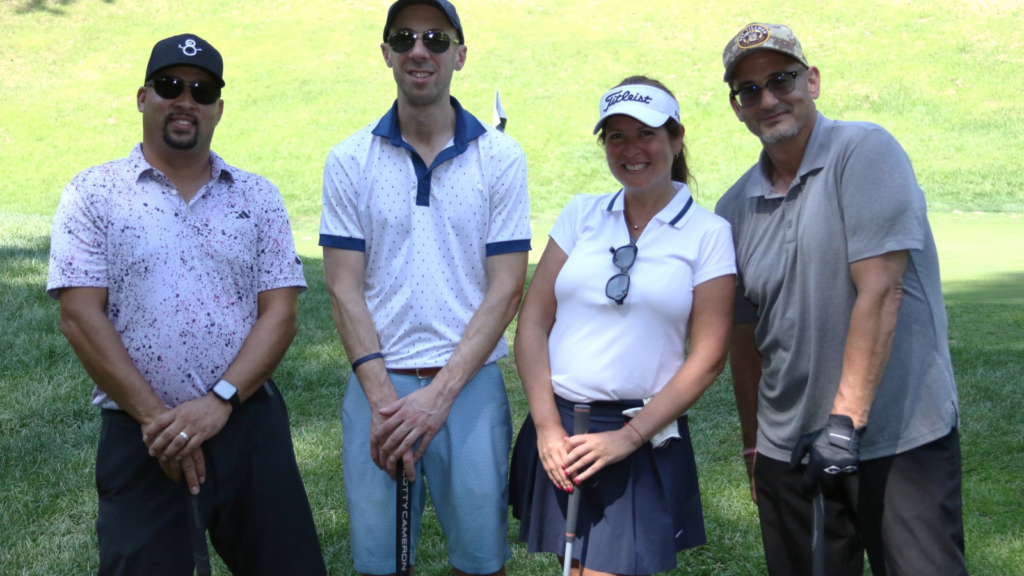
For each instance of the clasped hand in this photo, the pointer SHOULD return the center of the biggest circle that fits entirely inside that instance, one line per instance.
(587, 454)
(405, 427)
(200, 420)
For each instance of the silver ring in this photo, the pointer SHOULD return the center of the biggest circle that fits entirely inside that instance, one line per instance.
(183, 435)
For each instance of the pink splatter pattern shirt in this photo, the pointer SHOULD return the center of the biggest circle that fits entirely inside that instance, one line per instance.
(182, 279)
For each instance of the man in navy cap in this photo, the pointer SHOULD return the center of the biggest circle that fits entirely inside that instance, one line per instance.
(425, 229)
(178, 282)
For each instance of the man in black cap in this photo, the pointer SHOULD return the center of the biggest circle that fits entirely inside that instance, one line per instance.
(178, 282)
(425, 229)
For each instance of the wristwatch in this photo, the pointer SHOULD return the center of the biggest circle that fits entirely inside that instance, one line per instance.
(227, 392)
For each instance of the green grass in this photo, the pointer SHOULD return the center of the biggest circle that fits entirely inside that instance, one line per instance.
(48, 430)
(943, 76)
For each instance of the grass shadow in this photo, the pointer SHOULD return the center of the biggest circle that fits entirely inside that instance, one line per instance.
(49, 6)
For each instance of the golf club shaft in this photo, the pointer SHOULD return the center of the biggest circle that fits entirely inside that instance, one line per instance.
(200, 552)
(818, 535)
(580, 423)
(402, 553)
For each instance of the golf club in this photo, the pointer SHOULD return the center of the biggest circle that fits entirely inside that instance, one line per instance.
(200, 553)
(403, 500)
(818, 534)
(580, 423)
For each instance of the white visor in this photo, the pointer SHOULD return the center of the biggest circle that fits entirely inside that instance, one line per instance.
(647, 104)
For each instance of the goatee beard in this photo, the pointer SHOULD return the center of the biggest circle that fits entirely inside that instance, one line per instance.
(181, 144)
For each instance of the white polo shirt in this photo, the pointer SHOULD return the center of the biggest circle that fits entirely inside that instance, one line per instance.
(426, 231)
(182, 280)
(603, 351)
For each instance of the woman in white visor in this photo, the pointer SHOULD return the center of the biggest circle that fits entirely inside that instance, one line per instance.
(629, 312)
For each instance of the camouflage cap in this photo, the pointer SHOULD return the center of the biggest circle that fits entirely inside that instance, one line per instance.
(758, 37)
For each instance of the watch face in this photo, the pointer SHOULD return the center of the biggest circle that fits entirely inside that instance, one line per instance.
(225, 390)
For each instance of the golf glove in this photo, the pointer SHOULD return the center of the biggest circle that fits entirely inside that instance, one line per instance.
(834, 451)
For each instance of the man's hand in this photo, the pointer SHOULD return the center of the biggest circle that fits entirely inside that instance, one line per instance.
(193, 467)
(200, 419)
(834, 451)
(416, 417)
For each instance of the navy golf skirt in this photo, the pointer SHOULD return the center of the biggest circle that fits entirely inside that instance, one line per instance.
(634, 515)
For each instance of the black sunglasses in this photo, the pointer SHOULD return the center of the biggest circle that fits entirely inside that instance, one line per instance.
(779, 85)
(623, 258)
(435, 41)
(170, 87)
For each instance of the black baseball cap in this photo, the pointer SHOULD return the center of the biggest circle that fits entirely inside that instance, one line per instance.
(443, 5)
(185, 50)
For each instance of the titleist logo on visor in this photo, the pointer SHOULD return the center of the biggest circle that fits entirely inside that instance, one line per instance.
(624, 96)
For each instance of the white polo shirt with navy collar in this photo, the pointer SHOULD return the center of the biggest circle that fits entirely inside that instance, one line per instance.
(601, 350)
(426, 231)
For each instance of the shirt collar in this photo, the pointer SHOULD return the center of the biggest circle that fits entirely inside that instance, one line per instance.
(467, 127)
(814, 159)
(674, 213)
(137, 166)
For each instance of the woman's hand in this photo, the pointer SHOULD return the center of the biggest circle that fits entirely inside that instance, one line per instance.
(551, 445)
(588, 453)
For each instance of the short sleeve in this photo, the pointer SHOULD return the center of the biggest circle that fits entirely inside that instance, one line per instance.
(566, 228)
(884, 209)
(717, 256)
(340, 226)
(508, 227)
(78, 241)
(279, 264)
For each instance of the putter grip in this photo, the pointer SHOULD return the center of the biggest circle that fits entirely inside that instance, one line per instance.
(580, 423)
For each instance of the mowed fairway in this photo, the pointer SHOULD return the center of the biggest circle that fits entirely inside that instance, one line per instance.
(943, 76)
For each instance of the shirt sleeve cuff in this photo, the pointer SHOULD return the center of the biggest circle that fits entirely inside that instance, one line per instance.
(495, 248)
(343, 243)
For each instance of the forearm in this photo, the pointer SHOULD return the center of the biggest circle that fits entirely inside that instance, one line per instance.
(103, 355)
(879, 282)
(868, 344)
(344, 270)
(264, 347)
(678, 395)
(487, 325)
(533, 363)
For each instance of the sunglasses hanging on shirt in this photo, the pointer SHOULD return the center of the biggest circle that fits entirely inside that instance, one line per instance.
(623, 258)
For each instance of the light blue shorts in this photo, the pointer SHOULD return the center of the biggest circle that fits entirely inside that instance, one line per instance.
(466, 466)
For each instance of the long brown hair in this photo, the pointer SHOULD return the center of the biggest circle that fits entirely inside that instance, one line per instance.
(680, 171)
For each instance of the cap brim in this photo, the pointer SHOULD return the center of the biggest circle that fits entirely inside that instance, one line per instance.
(641, 112)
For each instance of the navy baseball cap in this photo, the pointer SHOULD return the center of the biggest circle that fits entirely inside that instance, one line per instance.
(443, 5)
(185, 50)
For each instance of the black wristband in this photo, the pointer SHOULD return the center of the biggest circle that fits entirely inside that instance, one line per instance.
(366, 359)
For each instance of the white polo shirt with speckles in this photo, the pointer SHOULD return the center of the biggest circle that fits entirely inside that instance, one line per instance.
(182, 280)
(426, 231)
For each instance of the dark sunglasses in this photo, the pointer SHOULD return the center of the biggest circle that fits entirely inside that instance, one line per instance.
(435, 41)
(203, 92)
(623, 258)
(779, 85)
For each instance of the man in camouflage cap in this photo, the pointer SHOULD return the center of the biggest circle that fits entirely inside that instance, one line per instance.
(839, 315)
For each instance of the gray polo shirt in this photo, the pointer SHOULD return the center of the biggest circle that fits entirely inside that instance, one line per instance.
(854, 197)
